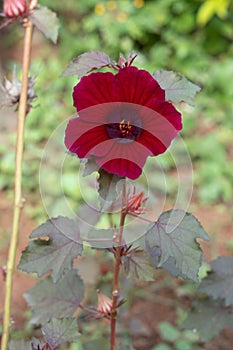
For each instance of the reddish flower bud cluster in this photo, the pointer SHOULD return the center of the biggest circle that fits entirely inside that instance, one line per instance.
(135, 202)
(14, 8)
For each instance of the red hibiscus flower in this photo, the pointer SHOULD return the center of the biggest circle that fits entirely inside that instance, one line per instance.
(122, 119)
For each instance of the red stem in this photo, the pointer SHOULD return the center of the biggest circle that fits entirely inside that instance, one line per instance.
(115, 291)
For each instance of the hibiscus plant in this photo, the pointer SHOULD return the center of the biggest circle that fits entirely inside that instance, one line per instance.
(125, 116)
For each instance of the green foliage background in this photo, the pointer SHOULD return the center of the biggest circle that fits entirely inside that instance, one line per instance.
(191, 37)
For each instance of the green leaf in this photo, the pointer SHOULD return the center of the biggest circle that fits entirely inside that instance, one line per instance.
(162, 346)
(57, 253)
(59, 331)
(86, 63)
(177, 87)
(208, 318)
(108, 186)
(168, 332)
(137, 264)
(98, 343)
(174, 236)
(46, 21)
(219, 282)
(209, 8)
(55, 300)
(19, 344)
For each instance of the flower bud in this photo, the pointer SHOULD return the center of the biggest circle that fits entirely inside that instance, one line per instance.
(134, 202)
(104, 303)
(14, 8)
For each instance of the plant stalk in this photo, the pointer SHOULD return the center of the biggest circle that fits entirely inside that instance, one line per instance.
(115, 291)
(18, 202)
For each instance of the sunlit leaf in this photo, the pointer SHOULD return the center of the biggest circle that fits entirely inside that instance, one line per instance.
(55, 300)
(87, 62)
(219, 282)
(137, 264)
(57, 253)
(46, 21)
(208, 318)
(174, 234)
(177, 87)
(211, 7)
(59, 331)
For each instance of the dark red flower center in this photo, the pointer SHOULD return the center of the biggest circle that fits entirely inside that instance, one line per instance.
(123, 130)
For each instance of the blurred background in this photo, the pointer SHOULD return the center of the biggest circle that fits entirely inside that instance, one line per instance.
(193, 37)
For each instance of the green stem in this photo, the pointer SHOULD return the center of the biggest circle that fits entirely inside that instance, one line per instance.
(18, 203)
(115, 291)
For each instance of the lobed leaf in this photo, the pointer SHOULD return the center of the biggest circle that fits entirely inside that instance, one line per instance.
(88, 217)
(86, 63)
(57, 253)
(208, 318)
(55, 300)
(108, 187)
(173, 239)
(46, 21)
(100, 238)
(177, 87)
(219, 282)
(137, 264)
(59, 331)
(90, 166)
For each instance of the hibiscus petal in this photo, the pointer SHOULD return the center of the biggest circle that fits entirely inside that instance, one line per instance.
(93, 89)
(168, 111)
(123, 159)
(81, 137)
(137, 86)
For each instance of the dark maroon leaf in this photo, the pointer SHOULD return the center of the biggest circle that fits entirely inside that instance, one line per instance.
(177, 87)
(100, 238)
(169, 265)
(90, 167)
(137, 264)
(175, 235)
(46, 21)
(86, 63)
(89, 269)
(108, 187)
(37, 344)
(219, 282)
(59, 331)
(208, 318)
(57, 253)
(55, 300)
(88, 217)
